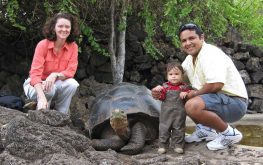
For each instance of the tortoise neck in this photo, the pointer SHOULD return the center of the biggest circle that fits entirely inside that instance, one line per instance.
(124, 133)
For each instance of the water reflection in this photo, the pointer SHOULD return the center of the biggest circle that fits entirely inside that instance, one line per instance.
(253, 135)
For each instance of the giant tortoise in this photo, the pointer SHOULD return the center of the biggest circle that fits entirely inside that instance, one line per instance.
(124, 118)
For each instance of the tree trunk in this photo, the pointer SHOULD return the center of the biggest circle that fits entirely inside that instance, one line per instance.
(117, 44)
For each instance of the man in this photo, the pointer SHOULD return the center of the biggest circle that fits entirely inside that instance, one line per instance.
(221, 94)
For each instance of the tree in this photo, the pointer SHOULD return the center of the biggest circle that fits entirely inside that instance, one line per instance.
(25, 18)
(117, 42)
(215, 16)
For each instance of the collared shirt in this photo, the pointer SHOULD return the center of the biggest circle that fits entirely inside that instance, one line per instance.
(213, 65)
(182, 87)
(46, 61)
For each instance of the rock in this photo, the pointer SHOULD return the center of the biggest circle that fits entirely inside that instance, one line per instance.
(255, 90)
(245, 76)
(258, 52)
(33, 142)
(257, 104)
(253, 64)
(104, 157)
(239, 65)
(49, 117)
(7, 114)
(81, 73)
(6, 158)
(241, 56)
(257, 76)
(57, 159)
(135, 76)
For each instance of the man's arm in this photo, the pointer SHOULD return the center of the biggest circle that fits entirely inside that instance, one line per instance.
(207, 88)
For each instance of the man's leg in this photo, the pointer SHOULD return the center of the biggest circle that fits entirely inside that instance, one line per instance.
(221, 108)
(195, 109)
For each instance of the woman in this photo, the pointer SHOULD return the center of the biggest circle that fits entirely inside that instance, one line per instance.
(54, 65)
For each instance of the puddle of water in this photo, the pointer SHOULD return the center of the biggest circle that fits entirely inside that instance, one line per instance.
(252, 134)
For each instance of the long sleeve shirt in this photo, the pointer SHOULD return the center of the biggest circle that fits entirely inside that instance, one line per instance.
(182, 87)
(46, 61)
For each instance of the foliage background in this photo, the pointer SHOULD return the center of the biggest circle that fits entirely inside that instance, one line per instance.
(23, 19)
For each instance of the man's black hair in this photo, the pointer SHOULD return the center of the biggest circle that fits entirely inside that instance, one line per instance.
(190, 26)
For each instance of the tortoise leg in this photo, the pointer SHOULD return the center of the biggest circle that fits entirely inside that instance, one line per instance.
(114, 143)
(137, 140)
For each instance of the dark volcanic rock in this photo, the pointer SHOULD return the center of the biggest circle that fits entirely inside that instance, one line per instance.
(47, 138)
(31, 141)
(49, 117)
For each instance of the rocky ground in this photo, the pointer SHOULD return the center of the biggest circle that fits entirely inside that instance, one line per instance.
(48, 137)
(197, 153)
(51, 138)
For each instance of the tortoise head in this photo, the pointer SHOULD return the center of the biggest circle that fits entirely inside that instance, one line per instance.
(119, 121)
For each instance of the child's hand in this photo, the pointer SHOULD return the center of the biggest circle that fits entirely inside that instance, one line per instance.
(183, 95)
(157, 91)
(158, 88)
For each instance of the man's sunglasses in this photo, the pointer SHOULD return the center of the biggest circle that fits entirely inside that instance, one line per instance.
(188, 26)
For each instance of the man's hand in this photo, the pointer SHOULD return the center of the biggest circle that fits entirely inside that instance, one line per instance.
(192, 94)
(183, 95)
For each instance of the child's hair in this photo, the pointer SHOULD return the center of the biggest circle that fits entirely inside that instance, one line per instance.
(172, 65)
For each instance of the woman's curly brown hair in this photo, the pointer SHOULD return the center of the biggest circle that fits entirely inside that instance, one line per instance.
(48, 29)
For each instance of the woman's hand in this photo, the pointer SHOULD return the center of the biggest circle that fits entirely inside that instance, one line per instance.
(41, 98)
(42, 103)
(49, 83)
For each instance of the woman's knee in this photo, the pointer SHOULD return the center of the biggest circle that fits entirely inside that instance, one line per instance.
(72, 83)
(51, 93)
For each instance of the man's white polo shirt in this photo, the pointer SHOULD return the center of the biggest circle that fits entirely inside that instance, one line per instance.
(213, 65)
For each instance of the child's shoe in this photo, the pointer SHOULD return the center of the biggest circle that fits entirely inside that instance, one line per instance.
(161, 150)
(179, 150)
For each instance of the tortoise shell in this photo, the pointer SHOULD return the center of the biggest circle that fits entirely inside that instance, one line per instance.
(136, 101)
